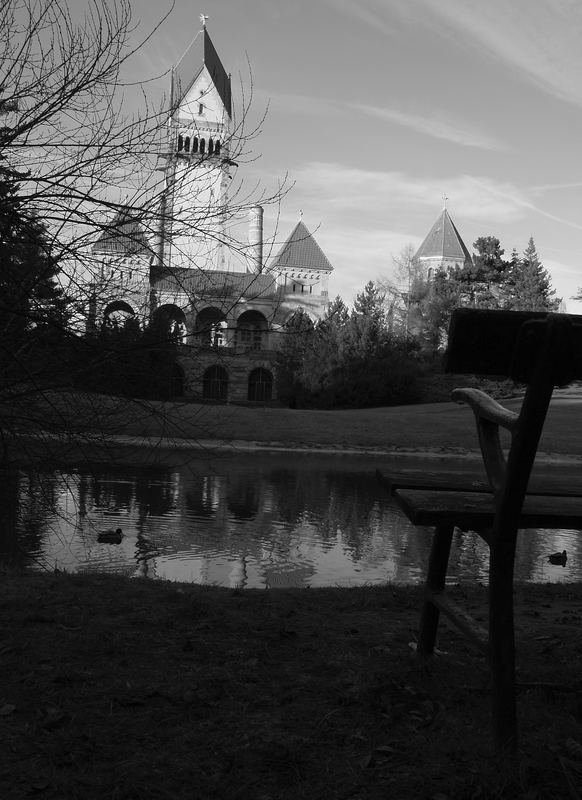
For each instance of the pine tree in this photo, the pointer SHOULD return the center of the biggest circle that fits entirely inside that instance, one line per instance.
(529, 285)
(368, 322)
(33, 308)
(296, 337)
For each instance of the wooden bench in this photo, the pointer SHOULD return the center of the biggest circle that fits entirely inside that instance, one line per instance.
(541, 351)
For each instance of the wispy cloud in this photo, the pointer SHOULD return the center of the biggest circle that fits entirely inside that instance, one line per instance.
(508, 194)
(554, 187)
(296, 103)
(451, 131)
(541, 39)
(372, 14)
(378, 196)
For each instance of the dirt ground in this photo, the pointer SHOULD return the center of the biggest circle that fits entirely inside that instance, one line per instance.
(119, 688)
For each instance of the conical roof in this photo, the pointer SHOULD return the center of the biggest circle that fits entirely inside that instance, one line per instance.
(444, 242)
(124, 236)
(188, 69)
(301, 251)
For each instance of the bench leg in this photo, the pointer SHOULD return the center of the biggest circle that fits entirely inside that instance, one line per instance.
(435, 582)
(502, 644)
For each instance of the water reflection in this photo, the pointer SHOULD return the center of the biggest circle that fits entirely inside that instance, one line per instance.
(260, 521)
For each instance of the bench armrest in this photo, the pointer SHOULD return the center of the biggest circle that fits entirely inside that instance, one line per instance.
(489, 415)
(486, 407)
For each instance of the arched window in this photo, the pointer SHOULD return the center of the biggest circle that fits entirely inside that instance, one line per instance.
(202, 146)
(251, 330)
(176, 380)
(187, 144)
(210, 146)
(180, 142)
(210, 328)
(260, 385)
(215, 384)
(195, 145)
(169, 322)
(217, 148)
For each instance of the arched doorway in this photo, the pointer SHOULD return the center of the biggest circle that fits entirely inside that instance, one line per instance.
(176, 380)
(215, 383)
(251, 330)
(260, 385)
(117, 314)
(210, 328)
(170, 321)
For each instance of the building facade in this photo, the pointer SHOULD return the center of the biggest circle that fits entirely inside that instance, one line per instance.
(227, 310)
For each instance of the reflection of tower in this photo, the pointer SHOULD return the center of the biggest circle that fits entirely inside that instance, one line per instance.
(197, 162)
(243, 499)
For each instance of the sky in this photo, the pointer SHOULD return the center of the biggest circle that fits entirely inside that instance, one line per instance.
(377, 109)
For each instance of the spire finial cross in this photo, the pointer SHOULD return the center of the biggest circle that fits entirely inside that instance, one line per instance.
(203, 18)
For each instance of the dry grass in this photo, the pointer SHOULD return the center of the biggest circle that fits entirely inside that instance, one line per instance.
(131, 689)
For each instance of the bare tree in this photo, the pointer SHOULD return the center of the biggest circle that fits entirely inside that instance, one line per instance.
(407, 276)
(68, 150)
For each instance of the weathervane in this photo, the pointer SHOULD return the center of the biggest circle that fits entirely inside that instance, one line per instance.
(203, 18)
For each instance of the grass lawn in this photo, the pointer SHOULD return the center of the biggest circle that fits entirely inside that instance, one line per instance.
(438, 426)
(126, 689)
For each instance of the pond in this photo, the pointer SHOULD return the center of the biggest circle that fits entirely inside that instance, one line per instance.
(254, 521)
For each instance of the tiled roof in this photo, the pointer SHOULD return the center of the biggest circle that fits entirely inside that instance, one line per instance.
(124, 236)
(444, 241)
(218, 284)
(188, 70)
(300, 251)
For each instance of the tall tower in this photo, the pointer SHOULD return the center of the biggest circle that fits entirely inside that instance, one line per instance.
(443, 247)
(197, 162)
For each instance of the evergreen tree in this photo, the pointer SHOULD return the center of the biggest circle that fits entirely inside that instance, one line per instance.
(529, 285)
(434, 301)
(33, 308)
(367, 329)
(295, 340)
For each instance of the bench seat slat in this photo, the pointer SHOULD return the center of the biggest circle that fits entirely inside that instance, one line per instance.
(467, 509)
(553, 481)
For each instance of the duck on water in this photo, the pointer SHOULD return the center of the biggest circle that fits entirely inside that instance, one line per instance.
(110, 536)
(558, 558)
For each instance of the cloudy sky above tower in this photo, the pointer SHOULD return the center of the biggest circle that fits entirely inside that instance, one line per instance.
(378, 108)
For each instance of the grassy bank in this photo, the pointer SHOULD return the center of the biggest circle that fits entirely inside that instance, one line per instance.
(132, 689)
(439, 426)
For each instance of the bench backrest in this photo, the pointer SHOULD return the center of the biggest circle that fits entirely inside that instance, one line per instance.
(512, 343)
(538, 349)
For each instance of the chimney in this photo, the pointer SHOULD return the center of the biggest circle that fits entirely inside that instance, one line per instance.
(256, 238)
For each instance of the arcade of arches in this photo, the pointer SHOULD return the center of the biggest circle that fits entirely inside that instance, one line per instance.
(243, 372)
(215, 384)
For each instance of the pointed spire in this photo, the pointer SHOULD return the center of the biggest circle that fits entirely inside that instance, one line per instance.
(301, 251)
(188, 67)
(443, 244)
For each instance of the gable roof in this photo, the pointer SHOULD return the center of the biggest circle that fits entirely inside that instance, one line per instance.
(188, 69)
(444, 242)
(124, 236)
(217, 284)
(301, 251)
